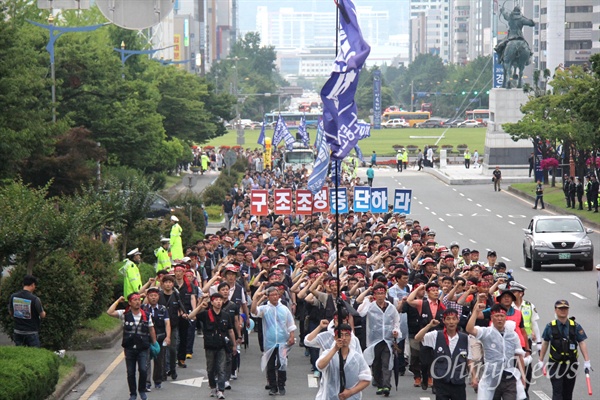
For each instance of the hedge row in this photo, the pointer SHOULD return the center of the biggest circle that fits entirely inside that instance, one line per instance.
(215, 194)
(27, 373)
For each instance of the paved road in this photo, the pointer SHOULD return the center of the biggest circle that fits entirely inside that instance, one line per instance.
(477, 217)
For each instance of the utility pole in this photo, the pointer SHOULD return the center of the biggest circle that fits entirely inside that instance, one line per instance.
(412, 96)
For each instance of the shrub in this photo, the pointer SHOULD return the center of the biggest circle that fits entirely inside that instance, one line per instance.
(240, 165)
(27, 373)
(65, 294)
(159, 180)
(94, 259)
(198, 219)
(146, 236)
(214, 195)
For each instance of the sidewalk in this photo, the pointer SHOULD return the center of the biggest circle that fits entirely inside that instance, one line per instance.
(459, 175)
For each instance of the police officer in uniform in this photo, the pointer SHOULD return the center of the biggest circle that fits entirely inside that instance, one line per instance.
(163, 260)
(399, 161)
(138, 334)
(133, 280)
(450, 356)
(562, 336)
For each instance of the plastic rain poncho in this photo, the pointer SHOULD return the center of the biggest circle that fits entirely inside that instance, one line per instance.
(277, 324)
(499, 355)
(380, 326)
(325, 340)
(356, 369)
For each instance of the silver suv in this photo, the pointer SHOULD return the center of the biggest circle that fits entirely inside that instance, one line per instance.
(557, 240)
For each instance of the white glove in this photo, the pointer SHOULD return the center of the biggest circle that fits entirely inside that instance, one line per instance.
(540, 365)
(538, 347)
(527, 360)
(587, 364)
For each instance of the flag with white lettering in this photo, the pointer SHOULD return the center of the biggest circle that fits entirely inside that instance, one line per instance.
(261, 136)
(342, 131)
(317, 177)
(364, 131)
(282, 132)
(302, 132)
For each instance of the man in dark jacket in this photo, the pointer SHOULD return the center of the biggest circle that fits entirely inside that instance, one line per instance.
(218, 336)
(138, 334)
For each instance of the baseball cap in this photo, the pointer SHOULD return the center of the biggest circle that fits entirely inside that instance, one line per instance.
(561, 304)
(465, 251)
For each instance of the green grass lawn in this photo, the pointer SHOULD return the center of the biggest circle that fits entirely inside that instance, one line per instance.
(556, 197)
(102, 324)
(65, 367)
(382, 140)
(214, 213)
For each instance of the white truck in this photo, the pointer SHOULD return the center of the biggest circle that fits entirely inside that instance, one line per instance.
(299, 156)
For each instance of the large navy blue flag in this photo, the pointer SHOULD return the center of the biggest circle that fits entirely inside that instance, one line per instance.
(261, 137)
(364, 131)
(282, 133)
(316, 180)
(339, 109)
(302, 132)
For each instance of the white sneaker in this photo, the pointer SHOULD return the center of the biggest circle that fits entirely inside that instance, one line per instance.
(213, 392)
(227, 385)
(234, 376)
(220, 395)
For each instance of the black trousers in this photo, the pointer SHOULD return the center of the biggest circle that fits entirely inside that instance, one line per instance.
(275, 377)
(184, 326)
(562, 377)
(449, 391)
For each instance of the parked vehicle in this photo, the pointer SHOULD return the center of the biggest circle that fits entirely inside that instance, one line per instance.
(557, 240)
(470, 123)
(395, 123)
(432, 123)
(452, 123)
(159, 207)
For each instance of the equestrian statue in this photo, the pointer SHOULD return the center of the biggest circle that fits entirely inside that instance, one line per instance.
(514, 52)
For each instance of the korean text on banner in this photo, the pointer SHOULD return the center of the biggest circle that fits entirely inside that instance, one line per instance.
(283, 201)
(282, 132)
(321, 200)
(342, 200)
(379, 200)
(259, 202)
(304, 204)
(362, 199)
(402, 200)
(302, 132)
(339, 108)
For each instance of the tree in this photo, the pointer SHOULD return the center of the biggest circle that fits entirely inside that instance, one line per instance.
(33, 226)
(71, 165)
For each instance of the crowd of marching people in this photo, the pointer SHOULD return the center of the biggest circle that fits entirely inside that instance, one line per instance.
(396, 302)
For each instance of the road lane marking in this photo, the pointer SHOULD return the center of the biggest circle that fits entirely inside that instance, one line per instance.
(427, 208)
(450, 226)
(195, 382)
(462, 194)
(510, 222)
(550, 281)
(102, 377)
(541, 395)
(478, 205)
(488, 210)
(579, 296)
(454, 189)
(505, 259)
(472, 241)
(421, 203)
(312, 381)
(499, 216)
(433, 213)
(524, 269)
(469, 199)
(441, 219)
(460, 233)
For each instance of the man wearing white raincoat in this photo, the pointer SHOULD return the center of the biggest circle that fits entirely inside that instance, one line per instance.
(357, 374)
(278, 336)
(383, 326)
(503, 356)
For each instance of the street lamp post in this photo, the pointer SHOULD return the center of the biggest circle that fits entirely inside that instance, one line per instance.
(55, 32)
(125, 54)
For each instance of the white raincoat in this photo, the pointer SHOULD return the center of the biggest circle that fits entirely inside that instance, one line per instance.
(325, 340)
(277, 324)
(380, 326)
(356, 369)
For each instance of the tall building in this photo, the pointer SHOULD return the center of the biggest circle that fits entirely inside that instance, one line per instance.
(460, 24)
(480, 29)
(568, 32)
(433, 32)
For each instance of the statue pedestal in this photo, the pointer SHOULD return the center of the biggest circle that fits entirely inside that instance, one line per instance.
(500, 150)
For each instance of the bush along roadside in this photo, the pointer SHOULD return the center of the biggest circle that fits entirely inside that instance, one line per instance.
(27, 373)
(215, 193)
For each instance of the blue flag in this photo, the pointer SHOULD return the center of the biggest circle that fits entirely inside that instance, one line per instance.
(281, 132)
(339, 108)
(316, 180)
(359, 153)
(319, 134)
(364, 131)
(302, 132)
(261, 137)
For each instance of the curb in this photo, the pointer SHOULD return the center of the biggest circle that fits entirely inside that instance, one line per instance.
(105, 341)
(472, 181)
(553, 208)
(69, 382)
